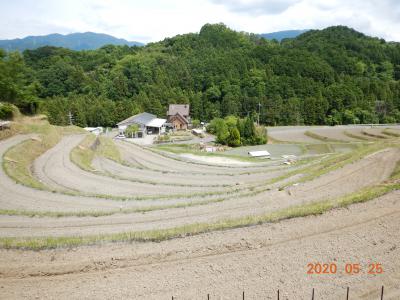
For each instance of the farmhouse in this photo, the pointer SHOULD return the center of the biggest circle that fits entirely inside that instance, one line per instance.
(178, 116)
(147, 124)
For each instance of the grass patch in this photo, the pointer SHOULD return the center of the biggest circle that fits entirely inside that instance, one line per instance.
(319, 148)
(6, 133)
(390, 132)
(83, 154)
(17, 160)
(373, 135)
(108, 149)
(356, 136)
(322, 138)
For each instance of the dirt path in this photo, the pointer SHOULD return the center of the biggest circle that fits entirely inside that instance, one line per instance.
(257, 259)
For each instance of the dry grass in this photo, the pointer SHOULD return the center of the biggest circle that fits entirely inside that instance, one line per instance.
(356, 136)
(83, 154)
(374, 135)
(391, 132)
(322, 138)
(18, 160)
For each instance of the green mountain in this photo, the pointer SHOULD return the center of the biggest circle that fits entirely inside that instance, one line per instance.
(285, 34)
(331, 76)
(74, 41)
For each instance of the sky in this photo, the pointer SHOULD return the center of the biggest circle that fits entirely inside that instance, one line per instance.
(154, 20)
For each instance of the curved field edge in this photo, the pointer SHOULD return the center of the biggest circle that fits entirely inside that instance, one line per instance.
(323, 138)
(390, 132)
(309, 172)
(356, 136)
(315, 208)
(188, 149)
(83, 154)
(17, 160)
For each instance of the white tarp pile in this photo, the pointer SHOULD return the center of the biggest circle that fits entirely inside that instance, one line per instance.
(289, 159)
(261, 153)
(4, 124)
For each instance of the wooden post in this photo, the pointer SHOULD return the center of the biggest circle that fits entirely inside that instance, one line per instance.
(348, 291)
(243, 295)
(312, 298)
(208, 296)
(382, 293)
(278, 294)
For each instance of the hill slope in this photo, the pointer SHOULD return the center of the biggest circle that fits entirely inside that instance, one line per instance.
(74, 41)
(331, 76)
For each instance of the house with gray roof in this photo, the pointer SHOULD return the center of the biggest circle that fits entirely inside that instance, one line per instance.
(147, 123)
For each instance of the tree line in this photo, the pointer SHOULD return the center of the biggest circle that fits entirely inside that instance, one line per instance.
(331, 76)
(233, 131)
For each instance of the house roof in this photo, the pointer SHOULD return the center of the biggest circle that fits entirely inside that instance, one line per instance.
(182, 109)
(142, 118)
(156, 123)
(180, 117)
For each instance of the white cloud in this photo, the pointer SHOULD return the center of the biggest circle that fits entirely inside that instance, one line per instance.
(154, 20)
(257, 7)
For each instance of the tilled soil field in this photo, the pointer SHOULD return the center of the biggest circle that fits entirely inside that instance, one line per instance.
(337, 133)
(152, 193)
(258, 260)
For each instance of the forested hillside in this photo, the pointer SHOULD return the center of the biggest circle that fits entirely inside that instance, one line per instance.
(331, 76)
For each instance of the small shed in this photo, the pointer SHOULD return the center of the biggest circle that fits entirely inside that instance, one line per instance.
(94, 130)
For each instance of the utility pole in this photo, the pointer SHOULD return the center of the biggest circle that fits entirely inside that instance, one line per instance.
(70, 117)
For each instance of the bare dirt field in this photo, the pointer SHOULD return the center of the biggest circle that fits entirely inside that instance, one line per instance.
(297, 133)
(155, 224)
(258, 260)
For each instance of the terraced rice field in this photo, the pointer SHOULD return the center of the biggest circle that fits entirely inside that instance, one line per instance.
(342, 133)
(117, 220)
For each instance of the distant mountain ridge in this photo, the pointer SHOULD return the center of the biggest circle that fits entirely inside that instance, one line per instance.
(285, 34)
(74, 41)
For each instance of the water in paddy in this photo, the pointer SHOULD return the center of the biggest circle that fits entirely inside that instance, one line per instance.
(277, 150)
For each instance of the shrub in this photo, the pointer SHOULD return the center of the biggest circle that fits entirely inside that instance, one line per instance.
(6, 111)
(234, 137)
(235, 132)
(195, 123)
